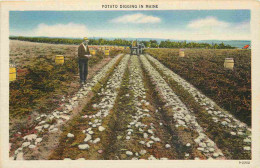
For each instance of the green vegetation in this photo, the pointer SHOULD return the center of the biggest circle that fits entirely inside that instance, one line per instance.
(204, 69)
(184, 44)
(122, 42)
(100, 41)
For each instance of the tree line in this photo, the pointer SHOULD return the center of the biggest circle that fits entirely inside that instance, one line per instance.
(184, 44)
(99, 41)
(123, 42)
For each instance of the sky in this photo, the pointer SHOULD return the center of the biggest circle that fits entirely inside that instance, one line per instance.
(163, 24)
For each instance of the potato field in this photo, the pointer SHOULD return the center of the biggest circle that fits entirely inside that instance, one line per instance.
(203, 68)
(156, 106)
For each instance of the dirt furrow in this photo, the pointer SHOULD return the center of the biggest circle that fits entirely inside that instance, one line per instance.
(86, 135)
(187, 127)
(140, 132)
(231, 135)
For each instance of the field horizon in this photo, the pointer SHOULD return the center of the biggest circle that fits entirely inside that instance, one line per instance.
(232, 43)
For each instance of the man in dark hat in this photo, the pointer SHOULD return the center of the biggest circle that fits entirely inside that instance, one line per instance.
(83, 56)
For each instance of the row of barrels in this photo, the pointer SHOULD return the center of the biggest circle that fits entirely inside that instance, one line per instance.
(59, 59)
(105, 48)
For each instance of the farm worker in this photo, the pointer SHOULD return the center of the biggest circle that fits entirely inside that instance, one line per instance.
(83, 56)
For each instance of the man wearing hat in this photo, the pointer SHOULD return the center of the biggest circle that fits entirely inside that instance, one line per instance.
(83, 56)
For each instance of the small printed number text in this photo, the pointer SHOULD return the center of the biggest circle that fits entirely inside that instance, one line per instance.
(244, 162)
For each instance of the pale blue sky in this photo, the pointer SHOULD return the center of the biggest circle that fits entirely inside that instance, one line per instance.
(171, 24)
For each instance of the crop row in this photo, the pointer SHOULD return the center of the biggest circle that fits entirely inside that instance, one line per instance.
(182, 116)
(231, 89)
(144, 136)
(219, 124)
(52, 121)
(92, 121)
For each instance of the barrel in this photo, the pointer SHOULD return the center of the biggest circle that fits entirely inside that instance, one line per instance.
(59, 59)
(92, 52)
(229, 63)
(181, 53)
(134, 44)
(106, 52)
(12, 73)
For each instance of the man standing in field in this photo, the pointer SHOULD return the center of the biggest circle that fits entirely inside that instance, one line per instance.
(83, 56)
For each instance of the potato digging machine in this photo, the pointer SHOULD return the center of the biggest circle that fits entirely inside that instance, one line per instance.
(136, 48)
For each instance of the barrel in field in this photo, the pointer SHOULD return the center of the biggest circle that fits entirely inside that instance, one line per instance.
(59, 59)
(92, 52)
(107, 52)
(229, 63)
(181, 53)
(12, 73)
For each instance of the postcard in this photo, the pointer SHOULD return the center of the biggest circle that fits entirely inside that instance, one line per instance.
(130, 83)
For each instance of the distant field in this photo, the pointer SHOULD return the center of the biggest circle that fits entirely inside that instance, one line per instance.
(204, 69)
(22, 53)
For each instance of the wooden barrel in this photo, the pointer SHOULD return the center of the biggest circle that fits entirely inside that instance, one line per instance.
(12, 73)
(106, 52)
(229, 63)
(134, 44)
(59, 60)
(181, 53)
(92, 52)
